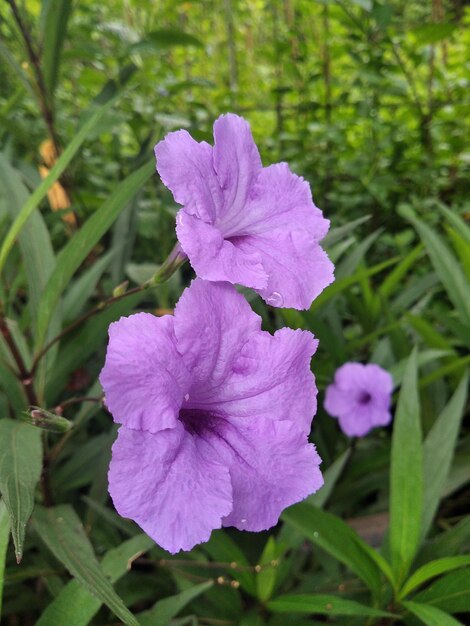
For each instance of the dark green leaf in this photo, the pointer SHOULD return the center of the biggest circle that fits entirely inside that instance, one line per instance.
(55, 16)
(63, 533)
(450, 593)
(20, 470)
(75, 605)
(164, 610)
(322, 604)
(4, 537)
(433, 569)
(406, 475)
(430, 615)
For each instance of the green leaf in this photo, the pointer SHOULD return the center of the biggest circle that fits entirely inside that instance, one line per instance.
(438, 452)
(406, 475)
(335, 537)
(322, 604)
(266, 578)
(446, 266)
(79, 292)
(223, 548)
(430, 615)
(434, 32)
(77, 249)
(54, 18)
(450, 593)
(63, 533)
(394, 279)
(330, 477)
(75, 605)
(20, 470)
(164, 38)
(4, 536)
(432, 569)
(39, 193)
(164, 610)
(458, 223)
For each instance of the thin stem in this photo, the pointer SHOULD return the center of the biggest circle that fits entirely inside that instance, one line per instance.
(44, 102)
(23, 374)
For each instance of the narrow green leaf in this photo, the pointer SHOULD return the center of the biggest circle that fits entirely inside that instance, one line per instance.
(330, 477)
(63, 533)
(450, 593)
(323, 605)
(430, 615)
(75, 605)
(20, 470)
(54, 18)
(458, 223)
(350, 263)
(223, 548)
(438, 452)
(446, 266)
(39, 193)
(432, 569)
(406, 475)
(394, 279)
(4, 536)
(342, 284)
(76, 250)
(164, 610)
(335, 537)
(77, 295)
(266, 578)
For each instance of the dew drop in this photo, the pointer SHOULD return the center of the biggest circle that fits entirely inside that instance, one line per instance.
(186, 397)
(242, 521)
(315, 534)
(275, 299)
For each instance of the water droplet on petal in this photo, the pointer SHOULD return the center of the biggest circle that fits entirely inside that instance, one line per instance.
(275, 299)
(242, 521)
(186, 397)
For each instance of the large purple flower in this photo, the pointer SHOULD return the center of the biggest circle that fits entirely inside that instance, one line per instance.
(243, 223)
(215, 417)
(360, 398)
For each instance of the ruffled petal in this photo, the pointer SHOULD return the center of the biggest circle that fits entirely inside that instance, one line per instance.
(212, 323)
(215, 258)
(357, 421)
(172, 488)
(144, 377)
(271, 378)
(185, 167)
(272, 466)
(298, 268)
(237, 163)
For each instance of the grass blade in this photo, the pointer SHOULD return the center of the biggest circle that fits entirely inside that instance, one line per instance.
(430, 615)
(432, 569)
(323, 605)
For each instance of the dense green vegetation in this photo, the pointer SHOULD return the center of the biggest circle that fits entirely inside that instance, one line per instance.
(369, 101)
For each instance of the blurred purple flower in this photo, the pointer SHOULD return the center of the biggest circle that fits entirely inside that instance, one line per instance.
(215, 418)
(243, 223)
(360, 398)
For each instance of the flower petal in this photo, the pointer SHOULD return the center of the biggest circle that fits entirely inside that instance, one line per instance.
(358, 421)
(212, 322)
(297, 267)
(237, 163)
(272, 466)
(144, 378)
(271, 378)
(174, 490)
(215, 258)
(185, 167)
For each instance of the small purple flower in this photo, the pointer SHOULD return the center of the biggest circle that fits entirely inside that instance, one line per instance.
(243, 223)
(215, 418)
(360, 398)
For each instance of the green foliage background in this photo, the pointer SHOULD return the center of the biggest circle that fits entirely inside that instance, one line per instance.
(369, 101)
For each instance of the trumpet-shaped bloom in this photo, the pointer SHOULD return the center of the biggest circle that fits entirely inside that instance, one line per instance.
(243, 223)
(360, 398)
(215, 418)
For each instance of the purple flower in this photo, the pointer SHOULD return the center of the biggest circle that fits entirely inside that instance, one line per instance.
(243, 223)
(215, 418)
(360, 398)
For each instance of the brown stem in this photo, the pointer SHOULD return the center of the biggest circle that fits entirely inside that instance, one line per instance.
(23, 374)
(44, 102)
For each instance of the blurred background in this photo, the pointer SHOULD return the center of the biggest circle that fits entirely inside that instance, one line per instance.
(369, 101)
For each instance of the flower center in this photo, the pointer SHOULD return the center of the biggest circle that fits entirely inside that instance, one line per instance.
(364, 397)
(197, 421)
